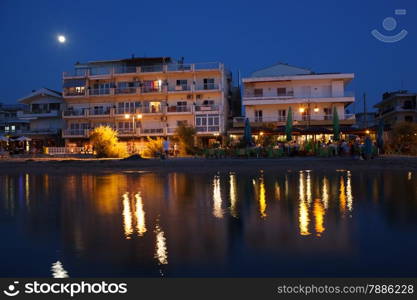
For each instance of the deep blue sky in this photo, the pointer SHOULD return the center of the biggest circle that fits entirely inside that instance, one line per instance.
(326, 36)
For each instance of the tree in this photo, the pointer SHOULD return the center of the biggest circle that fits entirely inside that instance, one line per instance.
(404, 138)
(154, 147)
(336, 125)
(184, 135)
(288, 125)
(106, 144)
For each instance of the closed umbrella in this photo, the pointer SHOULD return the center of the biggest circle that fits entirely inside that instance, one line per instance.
(248, 133)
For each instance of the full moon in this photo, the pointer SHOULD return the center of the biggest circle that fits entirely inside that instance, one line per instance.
(61, 39)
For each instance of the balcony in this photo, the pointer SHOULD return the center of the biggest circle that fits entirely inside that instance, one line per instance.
(37, 114)
(148, 89)
(207, 129)
(99, 111)
(75, 133)
(152, 131)
(99, 92)
(179, 109)
(316, 119)
(125, 90)
(179, 88)
(74, 93)
(252, 98)
(125, 70)
(152, 69)
(151, 110)
(68, 113)
(207, 87)
(206, 108)
(180, 67)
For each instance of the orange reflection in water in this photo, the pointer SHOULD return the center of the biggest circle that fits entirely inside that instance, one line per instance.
(233, 195)
(137, 216)
(319, 213)
(140, 215)
(262, 198)
(127, 216)
(342, 195)
(161, 250)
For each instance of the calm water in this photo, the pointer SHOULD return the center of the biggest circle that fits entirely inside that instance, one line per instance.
(307, 223)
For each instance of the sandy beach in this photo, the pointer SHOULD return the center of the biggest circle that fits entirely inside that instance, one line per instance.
(202, 165)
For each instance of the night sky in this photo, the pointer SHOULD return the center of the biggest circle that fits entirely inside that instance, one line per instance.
(326, 36)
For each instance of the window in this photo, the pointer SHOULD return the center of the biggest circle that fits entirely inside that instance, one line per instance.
(327, 113)
(258, 92)
(282, 113)
(207, 123)
(208, 102)
(182, 106)
(181, 84)
(258, 115)
(54, 106)
(209, 83)
(281, 91)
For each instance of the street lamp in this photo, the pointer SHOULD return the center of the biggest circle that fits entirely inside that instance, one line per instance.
(133, 117)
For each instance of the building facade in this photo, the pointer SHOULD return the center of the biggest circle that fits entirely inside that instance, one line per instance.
(398, 106)
(270, 93)
(43, 110)
(141, 97)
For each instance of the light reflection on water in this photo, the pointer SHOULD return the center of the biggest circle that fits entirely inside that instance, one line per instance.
(297, 223)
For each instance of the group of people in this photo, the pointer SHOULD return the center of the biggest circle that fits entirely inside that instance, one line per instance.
(169, 149)
(363, 148)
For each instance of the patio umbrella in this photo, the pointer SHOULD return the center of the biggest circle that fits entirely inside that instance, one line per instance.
(23, 139)
(380, 135)
(248, 133)
(288, 126)
(336, 125)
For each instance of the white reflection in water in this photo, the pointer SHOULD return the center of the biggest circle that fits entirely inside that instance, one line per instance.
(409, 175)
(161, 251)
(233, 195)
(140, 215)
(277, 191)
(349, 197)
(217, 198)
(127, 216)
(262, 198)
(325, 195)
(303, 218)
(58, 270)
(309, 198)
(27, 187)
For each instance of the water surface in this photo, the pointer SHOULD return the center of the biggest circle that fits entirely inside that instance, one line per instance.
(293, 223)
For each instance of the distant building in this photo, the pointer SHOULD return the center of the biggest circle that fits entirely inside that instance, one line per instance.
(397, 106)
(365, 120)
(142, 97)
(312, 97)
(10, 123)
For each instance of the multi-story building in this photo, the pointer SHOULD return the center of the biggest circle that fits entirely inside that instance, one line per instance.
(398, 106)
(312, 97)
(43, 110)
(142, 97)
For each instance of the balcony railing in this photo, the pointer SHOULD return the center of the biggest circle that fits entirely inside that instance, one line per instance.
(74, 93)
(75, 132)
(147, 89)
(99, 112)
(291, 94)
(207, 128)
(178, 108)
(179, 88)
(98, 92)
(298, 118)
(213, 107)
(73, 112)
(152, 131)
(125, 69)
(207, 86)
(174, 67)
(125, 90)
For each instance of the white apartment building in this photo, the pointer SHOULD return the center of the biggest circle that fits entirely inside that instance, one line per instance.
(270, 92)
(142, 97)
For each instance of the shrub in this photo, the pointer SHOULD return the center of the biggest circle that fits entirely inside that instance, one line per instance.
(106, 144)
(404, 138)
(154, 147)
(184, 135)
